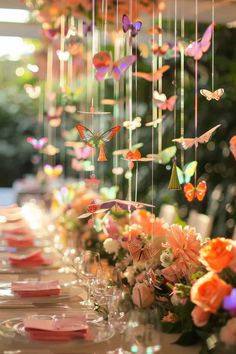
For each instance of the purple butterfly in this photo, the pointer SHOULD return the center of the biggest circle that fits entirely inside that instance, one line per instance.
(37, 144)
(86, 28)
(134, 27)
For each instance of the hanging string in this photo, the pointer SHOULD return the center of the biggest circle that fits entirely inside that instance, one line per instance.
(182, 87)
(213, 49)
(160, 63)
(92, 78)
(175, 62)
(48, 90)
(62, 48)
(129, 95)
(136, 183)
(196, 89)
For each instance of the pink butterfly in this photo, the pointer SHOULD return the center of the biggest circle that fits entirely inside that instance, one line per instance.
(197, 49)
(82, 153)
(103, 64)
(187, 143)
(162, 102)
(37, 144)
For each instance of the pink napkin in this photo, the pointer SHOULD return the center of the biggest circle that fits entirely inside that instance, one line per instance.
(32, 259)
(19, 241)
(36, 288)
(63, 329)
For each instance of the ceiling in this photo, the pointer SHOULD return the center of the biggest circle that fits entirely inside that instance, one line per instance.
(225, 12)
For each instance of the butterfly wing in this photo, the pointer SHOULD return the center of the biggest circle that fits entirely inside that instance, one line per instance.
(206, 93)
(103, 63)
(126, 24)
(122, 65)
(194, 50)
(135, 28)
(159, 98)
(33, 141)
(164, 156)
(136, 155)
(201, 190)
(189, 192)
(84, 133)
(217, 94)
(186, 143)
(170, 103)
(108, 135)
(180, 175)
(135, 250)
(204, 138)
(206, 38)
(152, 76)
(159, 73)
(189, 170)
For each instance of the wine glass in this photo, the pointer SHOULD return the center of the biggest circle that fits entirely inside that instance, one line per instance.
(143, 331)
(89, 266)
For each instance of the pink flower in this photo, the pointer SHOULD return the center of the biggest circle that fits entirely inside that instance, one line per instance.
(185, 246)
(228, 332)
(200, 317)
(111, 228)
(143, 296)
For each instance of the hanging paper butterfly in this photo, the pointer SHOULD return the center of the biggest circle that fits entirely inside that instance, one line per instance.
(165, 156)
(97, 140)
(184, 176)
(134, 124)
(162, 102)
(53, 171)
(109, 192)
(123, 152)
(69, 135)
(152, 76)
(197, 49)
(124, 204)
(136, 157)
(155, 122)
(63, 55)
(50, 150)
(87, 27)
(118, 171)
(37, 144)
(92, 210)
(197, 192)
(187, 143)
(54, 116)
(50, 32)
(160, 50)
(92, 180)
(232, 144)
(154, 31)
(83, 153)
(133, 27)
(141, 253)
(104, 66)
(32, 91)
(216, 95)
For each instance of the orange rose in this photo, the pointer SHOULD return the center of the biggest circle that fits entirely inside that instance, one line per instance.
(209, 291)
(217, 254)
(200, 317)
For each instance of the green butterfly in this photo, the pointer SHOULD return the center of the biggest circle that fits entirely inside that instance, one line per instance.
(165, 156)
(109, 193)
(188, 171)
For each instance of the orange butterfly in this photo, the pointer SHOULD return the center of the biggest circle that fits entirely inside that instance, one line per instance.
(232, 143)
(198, 192)
(160, 50)
(215, 95)
(141, 253)
(152, 76)
(162, 102)
(187, 143)
(136, 157)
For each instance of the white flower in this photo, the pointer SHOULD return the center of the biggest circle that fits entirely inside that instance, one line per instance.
(111, 246)
(130, 274)
(175, 300)
(166, 258)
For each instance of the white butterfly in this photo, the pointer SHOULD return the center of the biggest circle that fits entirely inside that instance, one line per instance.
(32, 91)
(63, 56)
(134, 124)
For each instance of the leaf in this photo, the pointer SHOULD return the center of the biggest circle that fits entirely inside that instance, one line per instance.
(187, 338)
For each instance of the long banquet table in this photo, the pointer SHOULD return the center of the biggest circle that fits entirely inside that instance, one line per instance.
(14, 346)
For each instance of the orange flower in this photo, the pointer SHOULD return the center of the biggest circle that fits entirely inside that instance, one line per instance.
(129, 234)
(209, 291)
(217, 254)
(199, 316)
(149, 223)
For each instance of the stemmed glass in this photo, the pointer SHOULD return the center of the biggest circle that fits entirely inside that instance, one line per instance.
(143, 331)
(89, 266)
